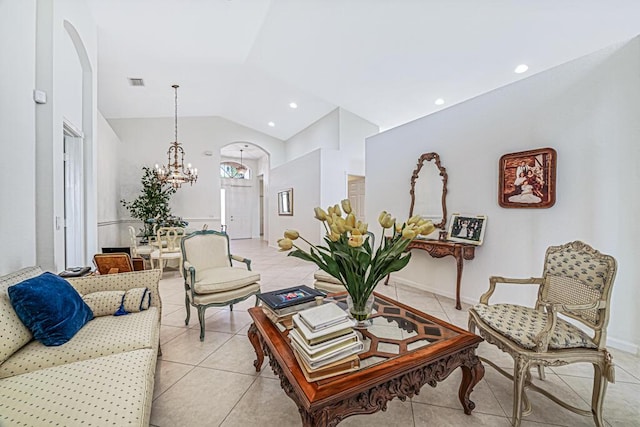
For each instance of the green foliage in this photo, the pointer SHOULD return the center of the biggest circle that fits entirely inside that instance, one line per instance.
(152, 203)
(359, 269)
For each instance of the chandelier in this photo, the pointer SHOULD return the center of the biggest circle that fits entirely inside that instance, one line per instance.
(241, 169)
(174, 172)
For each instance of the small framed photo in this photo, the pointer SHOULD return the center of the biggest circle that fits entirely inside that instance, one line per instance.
(528, 179)
(285, 202)
(467, 228)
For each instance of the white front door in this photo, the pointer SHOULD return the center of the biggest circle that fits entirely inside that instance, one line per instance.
(73, 202)
(239, 211)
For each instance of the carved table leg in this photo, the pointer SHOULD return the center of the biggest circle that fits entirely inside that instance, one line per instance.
(471, 375)
(254, 337)
(459, 263)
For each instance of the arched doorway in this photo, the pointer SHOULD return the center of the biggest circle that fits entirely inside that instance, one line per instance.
(244, 176)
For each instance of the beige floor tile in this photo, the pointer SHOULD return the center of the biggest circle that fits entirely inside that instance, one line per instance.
(167, 333)
(235, 355)
(544, 410)
(187, 348)
(203, 397)
(167, 374)
(427, 415)
(264, 404)
(225, 321)
(398, 413)
(620, 404)
(585, 370)
(446, 394)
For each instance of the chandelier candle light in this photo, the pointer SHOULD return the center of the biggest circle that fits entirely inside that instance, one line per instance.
(349, 257)
(174, 172)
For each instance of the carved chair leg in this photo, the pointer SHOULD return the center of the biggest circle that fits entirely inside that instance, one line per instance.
(520, 368)
(541, 373)
(526, 404)
(186, 303)
(201, 310)
(599, 389)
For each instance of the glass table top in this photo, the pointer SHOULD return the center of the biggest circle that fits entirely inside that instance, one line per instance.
(396, 330)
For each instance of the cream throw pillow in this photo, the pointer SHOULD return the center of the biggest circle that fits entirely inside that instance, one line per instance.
(109, 303)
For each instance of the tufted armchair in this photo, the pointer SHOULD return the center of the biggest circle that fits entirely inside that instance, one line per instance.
(210, 280)
(576, 284)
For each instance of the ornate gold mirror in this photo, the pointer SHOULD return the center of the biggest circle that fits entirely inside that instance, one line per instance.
(429, 190)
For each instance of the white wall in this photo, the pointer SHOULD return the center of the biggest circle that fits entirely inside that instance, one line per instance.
(35, 39)
(110, 231)
(353, 132)
(147, 141)
(588, 111)
(324, 133)
(17, 121)
(304, 176)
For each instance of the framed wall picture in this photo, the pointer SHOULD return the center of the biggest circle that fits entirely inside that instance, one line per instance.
(467, 228)
(528, 179)
(285, 202)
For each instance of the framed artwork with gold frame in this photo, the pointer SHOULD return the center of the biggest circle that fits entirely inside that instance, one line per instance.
(528, 179)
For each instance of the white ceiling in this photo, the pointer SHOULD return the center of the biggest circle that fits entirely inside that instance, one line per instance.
(384, 60)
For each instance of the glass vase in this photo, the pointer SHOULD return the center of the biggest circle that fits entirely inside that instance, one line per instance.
(360, 310)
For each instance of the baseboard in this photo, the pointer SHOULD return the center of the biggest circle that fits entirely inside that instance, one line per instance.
(625, 346)
(423, 287)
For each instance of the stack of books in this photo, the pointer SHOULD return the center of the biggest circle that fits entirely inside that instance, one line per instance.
(324, 342)
(280, 306)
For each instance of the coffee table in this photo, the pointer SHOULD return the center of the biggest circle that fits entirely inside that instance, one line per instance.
(404, 349)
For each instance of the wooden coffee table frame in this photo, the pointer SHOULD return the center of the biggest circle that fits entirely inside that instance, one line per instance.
(327, 402)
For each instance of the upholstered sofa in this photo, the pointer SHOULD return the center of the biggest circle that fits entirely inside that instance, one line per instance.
(104, 375)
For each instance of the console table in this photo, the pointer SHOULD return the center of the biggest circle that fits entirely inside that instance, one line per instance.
(443, 248)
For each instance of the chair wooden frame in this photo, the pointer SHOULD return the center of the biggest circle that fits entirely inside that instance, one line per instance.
(541, 356)
(116, 262)
(168, 247)
(189, 274)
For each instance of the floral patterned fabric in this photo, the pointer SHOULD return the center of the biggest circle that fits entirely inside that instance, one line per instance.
(522, 324)
(579, 265)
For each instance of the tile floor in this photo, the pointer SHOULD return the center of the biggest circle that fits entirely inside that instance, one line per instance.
(213, 383)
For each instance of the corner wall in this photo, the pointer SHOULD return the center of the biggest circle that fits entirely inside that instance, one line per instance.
(588, 111)
(17, 121)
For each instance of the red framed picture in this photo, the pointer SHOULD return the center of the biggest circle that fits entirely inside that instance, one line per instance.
(528, 179)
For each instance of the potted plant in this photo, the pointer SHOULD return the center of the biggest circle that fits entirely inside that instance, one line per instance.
(152, 205)
(349, 256)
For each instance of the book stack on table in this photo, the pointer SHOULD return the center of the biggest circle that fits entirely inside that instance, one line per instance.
(324, 342)
(280, 306)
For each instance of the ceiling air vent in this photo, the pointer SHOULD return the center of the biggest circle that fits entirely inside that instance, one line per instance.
(136, 82)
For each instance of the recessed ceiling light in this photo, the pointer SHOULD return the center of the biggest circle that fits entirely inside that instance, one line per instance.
(293, 105)
(439, 101)
(521, 69)
(271, 124)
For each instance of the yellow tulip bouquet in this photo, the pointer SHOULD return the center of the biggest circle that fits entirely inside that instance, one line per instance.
(349, 256)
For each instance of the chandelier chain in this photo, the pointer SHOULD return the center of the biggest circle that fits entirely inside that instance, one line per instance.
(176, 173)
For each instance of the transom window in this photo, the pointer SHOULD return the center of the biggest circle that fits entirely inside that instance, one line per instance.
(234, 170)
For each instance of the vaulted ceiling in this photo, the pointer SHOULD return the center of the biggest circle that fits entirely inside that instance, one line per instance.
(384, 60)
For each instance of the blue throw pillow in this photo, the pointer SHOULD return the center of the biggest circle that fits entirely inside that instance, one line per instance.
(50, 307)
